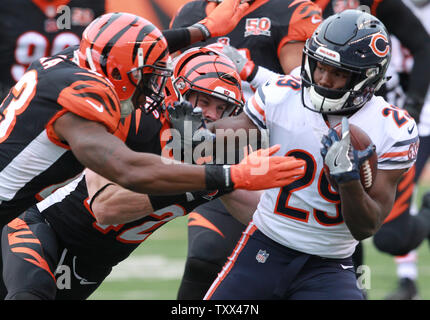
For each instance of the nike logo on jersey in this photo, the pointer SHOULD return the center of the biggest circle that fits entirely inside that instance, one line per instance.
(98, 108)
(335, 160)
(411, 129)
(346, 267)
(315, 19)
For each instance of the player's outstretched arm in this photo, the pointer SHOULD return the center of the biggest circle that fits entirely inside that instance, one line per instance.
(222, 18)
(113, 204)
(108, 156)
(146, 173)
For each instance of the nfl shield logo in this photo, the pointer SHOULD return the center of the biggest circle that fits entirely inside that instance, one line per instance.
(262, 256)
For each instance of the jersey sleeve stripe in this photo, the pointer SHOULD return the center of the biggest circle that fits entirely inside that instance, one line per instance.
(397, 162)
(258, 108)
(254, 119)
(405, 142)
(96, 97)
(394, 154)
(261, 94)
(302, 23)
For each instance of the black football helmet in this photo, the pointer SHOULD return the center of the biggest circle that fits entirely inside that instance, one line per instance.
(353, 41)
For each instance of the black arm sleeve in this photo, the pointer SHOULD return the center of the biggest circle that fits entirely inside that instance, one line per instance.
(188, 201)
(401, 22)
(177, 38)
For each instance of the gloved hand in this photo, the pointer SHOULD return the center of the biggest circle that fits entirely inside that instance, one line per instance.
(245, 67)
(259, 170)
(184, 118)
(189, 123)
(341, 158)
(222, 18)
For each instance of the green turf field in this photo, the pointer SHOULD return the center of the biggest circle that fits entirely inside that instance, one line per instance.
(154, 270)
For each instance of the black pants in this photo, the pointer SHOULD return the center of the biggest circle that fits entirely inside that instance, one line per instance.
(35, 262)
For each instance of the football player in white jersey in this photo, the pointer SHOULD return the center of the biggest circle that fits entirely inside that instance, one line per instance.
(300, 241)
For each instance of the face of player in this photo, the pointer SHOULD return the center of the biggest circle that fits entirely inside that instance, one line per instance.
(330, 77)
(212, 108)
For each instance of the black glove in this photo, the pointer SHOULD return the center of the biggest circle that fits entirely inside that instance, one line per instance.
(413, 105)
(189, 124)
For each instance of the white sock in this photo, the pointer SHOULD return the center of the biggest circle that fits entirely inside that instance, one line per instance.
(407, 265)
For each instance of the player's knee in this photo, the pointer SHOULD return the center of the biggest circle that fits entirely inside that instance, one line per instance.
(23, 296)
(197, 279)
(200, 270)
(208, 246)
(390, 241)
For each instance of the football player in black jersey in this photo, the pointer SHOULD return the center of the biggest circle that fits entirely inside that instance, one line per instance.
(59, 117)
(82, 235)
(71, 107)
(401, 232)
(272, 36)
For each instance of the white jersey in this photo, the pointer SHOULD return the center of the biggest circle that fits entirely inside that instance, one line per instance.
(305, 215)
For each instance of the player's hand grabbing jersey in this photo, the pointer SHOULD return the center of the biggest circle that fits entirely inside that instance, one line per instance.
(33, 161)
(305, 215)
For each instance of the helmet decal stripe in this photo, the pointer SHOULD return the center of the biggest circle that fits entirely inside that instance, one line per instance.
(140, 36)
(217, 75)
(149, 51)
(197, 66)
(112, 18)
(109, 45)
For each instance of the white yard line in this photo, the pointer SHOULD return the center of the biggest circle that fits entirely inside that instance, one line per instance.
(145, 267)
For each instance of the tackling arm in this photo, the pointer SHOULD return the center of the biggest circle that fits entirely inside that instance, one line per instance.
(147, 173)
(112, 204)
(221, 20)
(108, 156)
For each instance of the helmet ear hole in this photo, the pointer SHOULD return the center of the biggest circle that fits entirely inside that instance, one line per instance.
(116, 74)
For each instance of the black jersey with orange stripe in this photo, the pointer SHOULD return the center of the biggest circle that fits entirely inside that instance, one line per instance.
(263, 31)
(68, 211)
(33, 161)
(32, 29)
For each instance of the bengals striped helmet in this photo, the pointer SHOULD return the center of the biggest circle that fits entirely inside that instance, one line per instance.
(204, 70)
(132, 53)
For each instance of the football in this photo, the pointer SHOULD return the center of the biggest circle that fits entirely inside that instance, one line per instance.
(360, 141)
